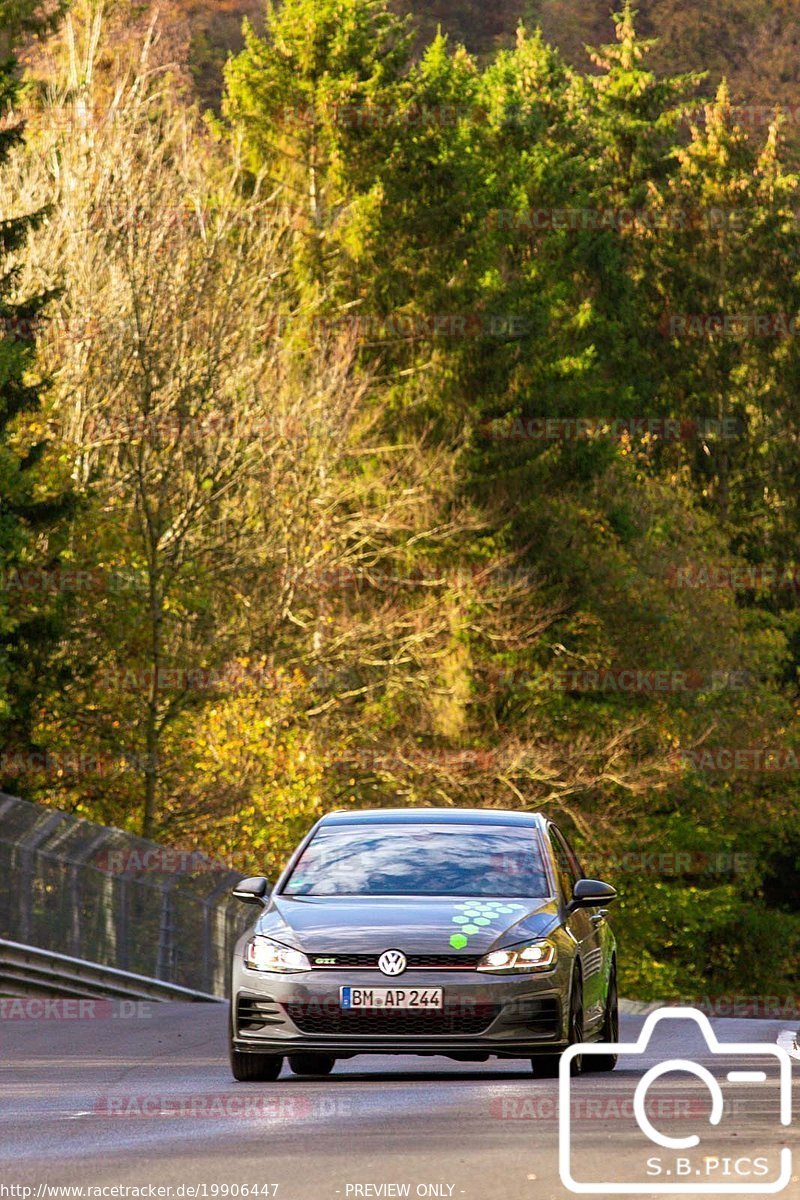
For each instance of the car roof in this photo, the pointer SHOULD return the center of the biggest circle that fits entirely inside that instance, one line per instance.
(430, 816)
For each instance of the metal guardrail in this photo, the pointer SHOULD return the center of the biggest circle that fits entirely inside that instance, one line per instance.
(90, 892)
(28, 970)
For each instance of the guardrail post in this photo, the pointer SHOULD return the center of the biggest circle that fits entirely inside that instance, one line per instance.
(27, 863)
(123, 918)
(8, 901)
(165, 962)
(213, 908)
(75, 911)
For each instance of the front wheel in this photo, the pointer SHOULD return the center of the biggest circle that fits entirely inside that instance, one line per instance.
(607, 1062)
(255, 1068)
(545, 1066)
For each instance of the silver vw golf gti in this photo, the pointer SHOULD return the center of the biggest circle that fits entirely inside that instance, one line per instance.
(458, 932)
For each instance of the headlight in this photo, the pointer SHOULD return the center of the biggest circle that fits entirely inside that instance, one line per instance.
(262, 954)
(538, 956)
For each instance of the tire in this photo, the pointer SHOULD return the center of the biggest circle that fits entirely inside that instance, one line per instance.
(546, 1066)
(255, 1068)
(607, 1062)
(312, 1064)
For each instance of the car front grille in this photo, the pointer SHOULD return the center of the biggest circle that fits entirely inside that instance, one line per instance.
(425, 1022)
(417, 962)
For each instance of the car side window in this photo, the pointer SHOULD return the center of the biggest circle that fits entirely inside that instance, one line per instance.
(567, 876)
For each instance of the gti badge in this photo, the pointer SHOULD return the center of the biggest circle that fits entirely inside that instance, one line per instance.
(392, 962)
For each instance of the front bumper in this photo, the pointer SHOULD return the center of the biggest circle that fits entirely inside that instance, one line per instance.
(507, 1016)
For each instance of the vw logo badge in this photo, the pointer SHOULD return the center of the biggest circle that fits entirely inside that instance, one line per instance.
(392, 962)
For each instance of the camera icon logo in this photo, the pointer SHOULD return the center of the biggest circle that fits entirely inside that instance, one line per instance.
(708, 1172)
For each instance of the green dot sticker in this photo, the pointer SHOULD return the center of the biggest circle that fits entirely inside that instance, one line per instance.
(473, 916)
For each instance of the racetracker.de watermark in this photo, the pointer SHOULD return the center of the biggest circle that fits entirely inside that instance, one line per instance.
(744, 1007)
(300, 1106)
(622, 220)
(766, 760)
(722, 576)
(737, 326)
(67, 580)
(612, 1106)
(666, 863)
(573, 429)
(229, 678)
(156, 860)
(635, 680)
(73, 1008)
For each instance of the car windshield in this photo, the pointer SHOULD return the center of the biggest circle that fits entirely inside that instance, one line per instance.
(420, 860)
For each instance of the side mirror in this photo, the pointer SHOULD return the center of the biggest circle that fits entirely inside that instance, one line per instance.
(252, 890)
(590, 893)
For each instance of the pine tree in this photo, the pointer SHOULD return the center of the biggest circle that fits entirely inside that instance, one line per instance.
(312, 99)
(725, 266)
(30, 514)
(631, 118)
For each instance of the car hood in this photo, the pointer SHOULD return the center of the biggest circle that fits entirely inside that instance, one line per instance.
(337, 925)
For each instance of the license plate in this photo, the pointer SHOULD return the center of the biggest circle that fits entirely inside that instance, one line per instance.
(397, 997)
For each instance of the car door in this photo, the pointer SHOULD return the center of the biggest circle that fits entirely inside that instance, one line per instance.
(585, 927)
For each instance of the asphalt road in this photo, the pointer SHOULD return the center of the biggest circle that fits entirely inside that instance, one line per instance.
(147, 1099)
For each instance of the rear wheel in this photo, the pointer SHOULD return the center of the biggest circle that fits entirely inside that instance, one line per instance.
(311, 1064)
(607, 1062)
(545, 1066)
